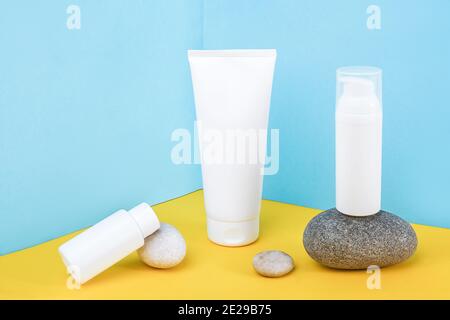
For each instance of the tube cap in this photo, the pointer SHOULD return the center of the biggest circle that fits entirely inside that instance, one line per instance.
(233, 234)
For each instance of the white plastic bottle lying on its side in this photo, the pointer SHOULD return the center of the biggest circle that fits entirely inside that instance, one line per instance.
(110, 240)
(232, 90)
(358, 140)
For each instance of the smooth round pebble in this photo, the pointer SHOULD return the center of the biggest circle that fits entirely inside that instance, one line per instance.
(163, 249)
(273, 263)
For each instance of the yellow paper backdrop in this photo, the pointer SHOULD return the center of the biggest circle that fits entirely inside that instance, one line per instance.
(210, 271)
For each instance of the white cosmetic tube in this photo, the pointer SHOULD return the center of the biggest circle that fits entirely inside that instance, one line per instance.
(358, 140)
(232, 90)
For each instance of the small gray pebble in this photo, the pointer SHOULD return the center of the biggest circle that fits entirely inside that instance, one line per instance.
(340, 241)
(273, 263)
(164, 248)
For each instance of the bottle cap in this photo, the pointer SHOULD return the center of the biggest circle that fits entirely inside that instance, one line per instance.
(108, 241)
(146, 219)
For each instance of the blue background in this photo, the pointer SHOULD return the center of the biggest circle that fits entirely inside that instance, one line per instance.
(86, 115)
(313, 38)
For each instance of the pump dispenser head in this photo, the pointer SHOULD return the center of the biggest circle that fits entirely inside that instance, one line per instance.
(358, 83)
(357, 87)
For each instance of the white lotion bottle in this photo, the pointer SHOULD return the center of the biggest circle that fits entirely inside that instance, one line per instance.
(232, 90)
(108, 242)
(358, 140)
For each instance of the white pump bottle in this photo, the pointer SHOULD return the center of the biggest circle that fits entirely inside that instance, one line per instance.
(358, 140)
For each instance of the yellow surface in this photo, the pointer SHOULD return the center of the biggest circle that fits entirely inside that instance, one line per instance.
(210, 271)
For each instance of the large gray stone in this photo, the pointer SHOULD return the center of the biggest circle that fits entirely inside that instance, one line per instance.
(340, 241)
